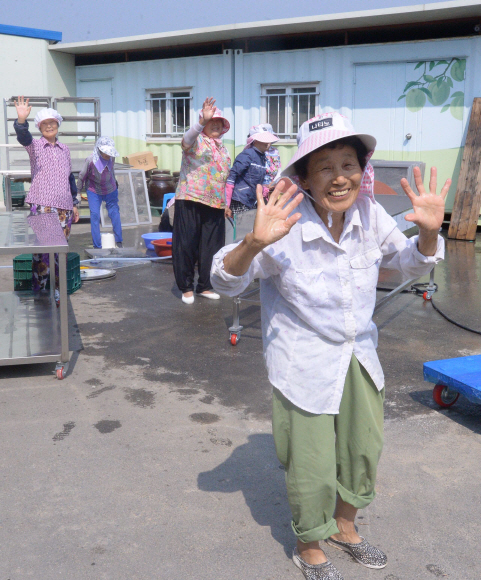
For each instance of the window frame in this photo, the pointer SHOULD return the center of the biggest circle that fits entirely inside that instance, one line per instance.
(169, 134)
(290, 135)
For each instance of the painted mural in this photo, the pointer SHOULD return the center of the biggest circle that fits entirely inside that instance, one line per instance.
(440, 83)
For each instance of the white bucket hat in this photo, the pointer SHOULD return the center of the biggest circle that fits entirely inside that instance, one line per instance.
(321, 130)
(324, 129)
(263, 133)
(45, 114)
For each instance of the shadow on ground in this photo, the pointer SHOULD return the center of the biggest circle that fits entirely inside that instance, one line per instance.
(462, 412)
(262, 485)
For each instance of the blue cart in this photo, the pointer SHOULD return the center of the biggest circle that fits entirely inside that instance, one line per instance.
(455, 376)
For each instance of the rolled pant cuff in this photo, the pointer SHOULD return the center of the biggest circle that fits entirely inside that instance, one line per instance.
(317, 534)
(356, 501)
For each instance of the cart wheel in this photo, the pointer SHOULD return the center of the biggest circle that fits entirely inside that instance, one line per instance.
(443, 396)
(234, 339)
(60, 373)
(426, 296)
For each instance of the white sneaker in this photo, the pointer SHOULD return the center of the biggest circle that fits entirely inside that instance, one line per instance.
(188, 299)
(210, 295)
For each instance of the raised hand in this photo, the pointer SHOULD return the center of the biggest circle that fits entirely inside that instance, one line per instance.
(208, 110)
(23, 110)
(272, 222)
(428, 206)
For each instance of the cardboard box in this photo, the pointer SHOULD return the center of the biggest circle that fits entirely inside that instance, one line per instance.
(141, 160)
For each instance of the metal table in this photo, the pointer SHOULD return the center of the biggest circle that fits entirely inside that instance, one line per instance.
(33, 331)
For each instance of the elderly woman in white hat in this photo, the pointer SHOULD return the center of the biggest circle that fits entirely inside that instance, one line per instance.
(249, 170)
(53, 188)
(98, 178)
(318, 254)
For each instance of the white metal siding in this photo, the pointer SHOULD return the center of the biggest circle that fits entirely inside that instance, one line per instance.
(235, 80)
(206, 75)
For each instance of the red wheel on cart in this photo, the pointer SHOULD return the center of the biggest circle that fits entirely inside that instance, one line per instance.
(426, 296)
(60, 374)
(444, 397)
(234, 339)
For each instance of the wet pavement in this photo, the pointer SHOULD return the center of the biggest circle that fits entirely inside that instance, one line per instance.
(154, 458)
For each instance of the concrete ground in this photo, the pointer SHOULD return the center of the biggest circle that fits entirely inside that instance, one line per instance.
(154, 458)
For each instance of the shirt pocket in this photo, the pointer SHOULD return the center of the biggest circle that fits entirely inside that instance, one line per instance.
(255, 174)
(365, 269)
(307, 287)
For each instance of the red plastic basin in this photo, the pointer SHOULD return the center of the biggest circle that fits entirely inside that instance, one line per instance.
(163, 248)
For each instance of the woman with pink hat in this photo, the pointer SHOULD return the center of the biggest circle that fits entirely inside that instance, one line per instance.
(249, 170)
(199, 222)
(318, 254)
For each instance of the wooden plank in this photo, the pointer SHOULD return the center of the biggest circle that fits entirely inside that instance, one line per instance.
(467, 203)
(471, 187)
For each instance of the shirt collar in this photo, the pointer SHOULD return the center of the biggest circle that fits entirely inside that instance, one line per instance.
(313, 227)
(57, 143)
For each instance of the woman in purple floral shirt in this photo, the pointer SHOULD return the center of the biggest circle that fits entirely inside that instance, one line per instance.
(53, 188)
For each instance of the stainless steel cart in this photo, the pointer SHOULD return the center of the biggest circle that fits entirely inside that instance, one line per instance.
(32, 330)
(236, 229)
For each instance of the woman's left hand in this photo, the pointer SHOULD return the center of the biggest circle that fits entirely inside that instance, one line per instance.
(428, 206)
(76, 216)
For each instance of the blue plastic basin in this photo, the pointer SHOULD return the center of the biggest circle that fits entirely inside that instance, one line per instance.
(148, 238)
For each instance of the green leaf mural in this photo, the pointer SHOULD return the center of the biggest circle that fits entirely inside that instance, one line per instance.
(436, 88)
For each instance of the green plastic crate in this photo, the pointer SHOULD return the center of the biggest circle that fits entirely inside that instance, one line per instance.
(22, 272)
(17, 190)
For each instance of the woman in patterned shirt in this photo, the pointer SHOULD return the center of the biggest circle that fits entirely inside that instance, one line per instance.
(199, 223)
(98, 178)
(53, 188)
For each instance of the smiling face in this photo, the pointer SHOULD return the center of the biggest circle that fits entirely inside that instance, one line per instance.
(333, 178)
(214, 128)
(49, 129)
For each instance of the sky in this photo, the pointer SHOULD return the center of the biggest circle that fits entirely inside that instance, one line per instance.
(83, 20)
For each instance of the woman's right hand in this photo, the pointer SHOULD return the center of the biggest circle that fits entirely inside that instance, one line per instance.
(208, 110)
(272, 222)
(23, 110)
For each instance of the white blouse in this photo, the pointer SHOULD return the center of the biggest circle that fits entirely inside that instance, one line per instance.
(318, 298)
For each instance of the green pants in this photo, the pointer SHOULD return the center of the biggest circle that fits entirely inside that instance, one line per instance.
(326, 455)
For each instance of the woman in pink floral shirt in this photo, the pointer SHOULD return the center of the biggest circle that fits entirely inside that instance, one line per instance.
(199, 222)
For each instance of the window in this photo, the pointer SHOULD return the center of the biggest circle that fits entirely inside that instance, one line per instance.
(168, 113)
(287, 107)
